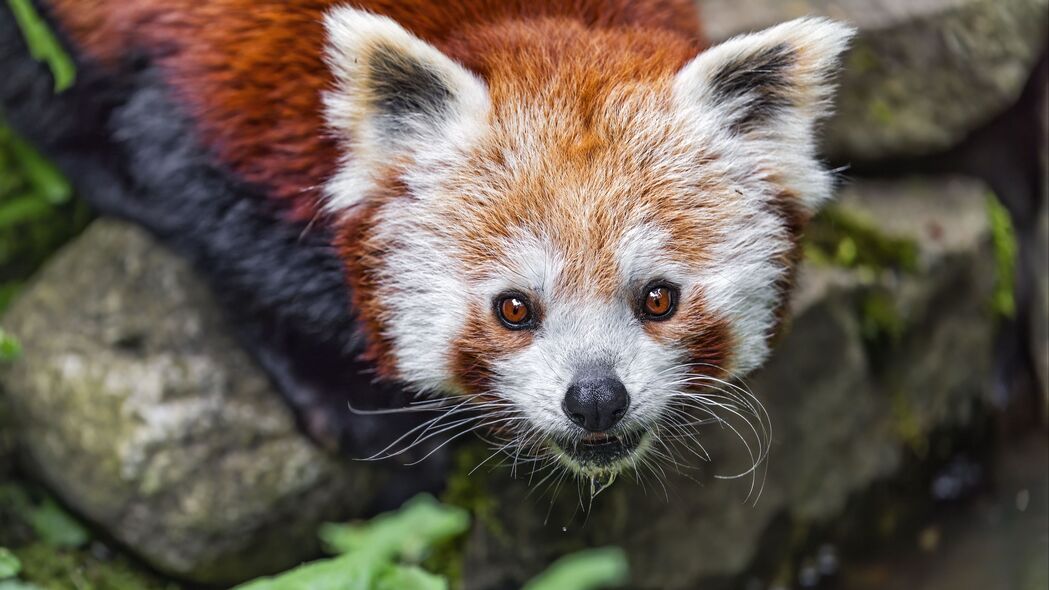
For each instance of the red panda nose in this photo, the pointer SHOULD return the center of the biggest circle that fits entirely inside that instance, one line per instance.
(596, 401)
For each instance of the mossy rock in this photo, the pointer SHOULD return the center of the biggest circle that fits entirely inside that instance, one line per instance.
(135, 404)
(922, 74)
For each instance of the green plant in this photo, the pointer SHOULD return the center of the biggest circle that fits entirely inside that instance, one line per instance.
(37, 213)
(605, 567)
(382, 554)
(56, 552)
(378, 554)
(50, 523)
(9, 347)
(42, 43)
(1003, 238)
(9, 564)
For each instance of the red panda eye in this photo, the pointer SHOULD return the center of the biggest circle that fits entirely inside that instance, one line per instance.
(659, 302)
(513, 310)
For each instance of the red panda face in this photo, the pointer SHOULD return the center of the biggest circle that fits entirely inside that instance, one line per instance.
(582, 245)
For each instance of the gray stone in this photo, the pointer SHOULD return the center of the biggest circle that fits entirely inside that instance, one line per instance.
(874, 360)
(1040, 311)
(134, 403)
(922, 73)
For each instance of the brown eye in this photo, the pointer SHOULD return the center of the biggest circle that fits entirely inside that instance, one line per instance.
(513, 311)
(659, 301)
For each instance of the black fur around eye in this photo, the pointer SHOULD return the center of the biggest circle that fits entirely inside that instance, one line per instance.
(514, 311)
(658, 302)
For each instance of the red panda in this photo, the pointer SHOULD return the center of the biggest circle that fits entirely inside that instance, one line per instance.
(573, 214)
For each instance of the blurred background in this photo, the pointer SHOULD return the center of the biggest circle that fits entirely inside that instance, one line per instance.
(140, 448)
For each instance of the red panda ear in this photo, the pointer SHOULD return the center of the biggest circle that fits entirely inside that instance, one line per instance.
(772, 87)
(394, 97)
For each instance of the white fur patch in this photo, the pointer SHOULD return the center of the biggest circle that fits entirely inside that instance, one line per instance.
(778, 153)
(352, 113)
(577, 332)
(786, 141)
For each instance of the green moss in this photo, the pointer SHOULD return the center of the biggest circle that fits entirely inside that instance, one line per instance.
(881, 323)
(840, 238)
(908, 426)
(10, 349)
(446, 560)
(55, 552)
(862, 59)
(466, 488)
(879, 111)
(58, 569)
(1003, 236)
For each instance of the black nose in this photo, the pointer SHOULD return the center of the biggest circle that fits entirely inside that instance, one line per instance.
(596, 401)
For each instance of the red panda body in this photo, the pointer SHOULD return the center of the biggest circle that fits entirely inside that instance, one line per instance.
(570, 216)
(251, 72)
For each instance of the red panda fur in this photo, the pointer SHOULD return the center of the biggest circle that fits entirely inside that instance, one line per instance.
(251, 72)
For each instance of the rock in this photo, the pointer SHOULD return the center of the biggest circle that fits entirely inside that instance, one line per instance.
(875, 360)
(7, 440)
(137, 407)
(922, 73)
(1040, 311)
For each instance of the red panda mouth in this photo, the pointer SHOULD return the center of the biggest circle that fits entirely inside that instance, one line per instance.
(602, 451)
(594, 439)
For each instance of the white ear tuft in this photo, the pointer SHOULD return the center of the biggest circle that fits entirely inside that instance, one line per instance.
(394, 95)
(754, 79)
(772, 86)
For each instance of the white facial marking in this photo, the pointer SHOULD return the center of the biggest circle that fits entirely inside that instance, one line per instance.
(447, 120)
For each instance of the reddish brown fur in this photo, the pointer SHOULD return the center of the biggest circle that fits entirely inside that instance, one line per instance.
(795, 218)
(705, 336)
(251, 72)
(582, 146)
(483, 340)
(362, 256)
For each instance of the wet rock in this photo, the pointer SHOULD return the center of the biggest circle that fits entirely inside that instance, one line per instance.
(875, 359)
(136, 406)
(922, 73)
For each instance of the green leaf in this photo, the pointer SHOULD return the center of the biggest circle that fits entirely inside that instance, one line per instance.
(9, 564)
(22, 209)
(368, 551)
(407, 533)
(585, 570)
(44, 178)
(55, 527)
(8, 290)
(408, 577)
(10, 349)
(42, 43)
(350, 572)
(16, 585)
(1003, 239)
(347, 572)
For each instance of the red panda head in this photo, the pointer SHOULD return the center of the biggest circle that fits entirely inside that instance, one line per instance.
(585, 229)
